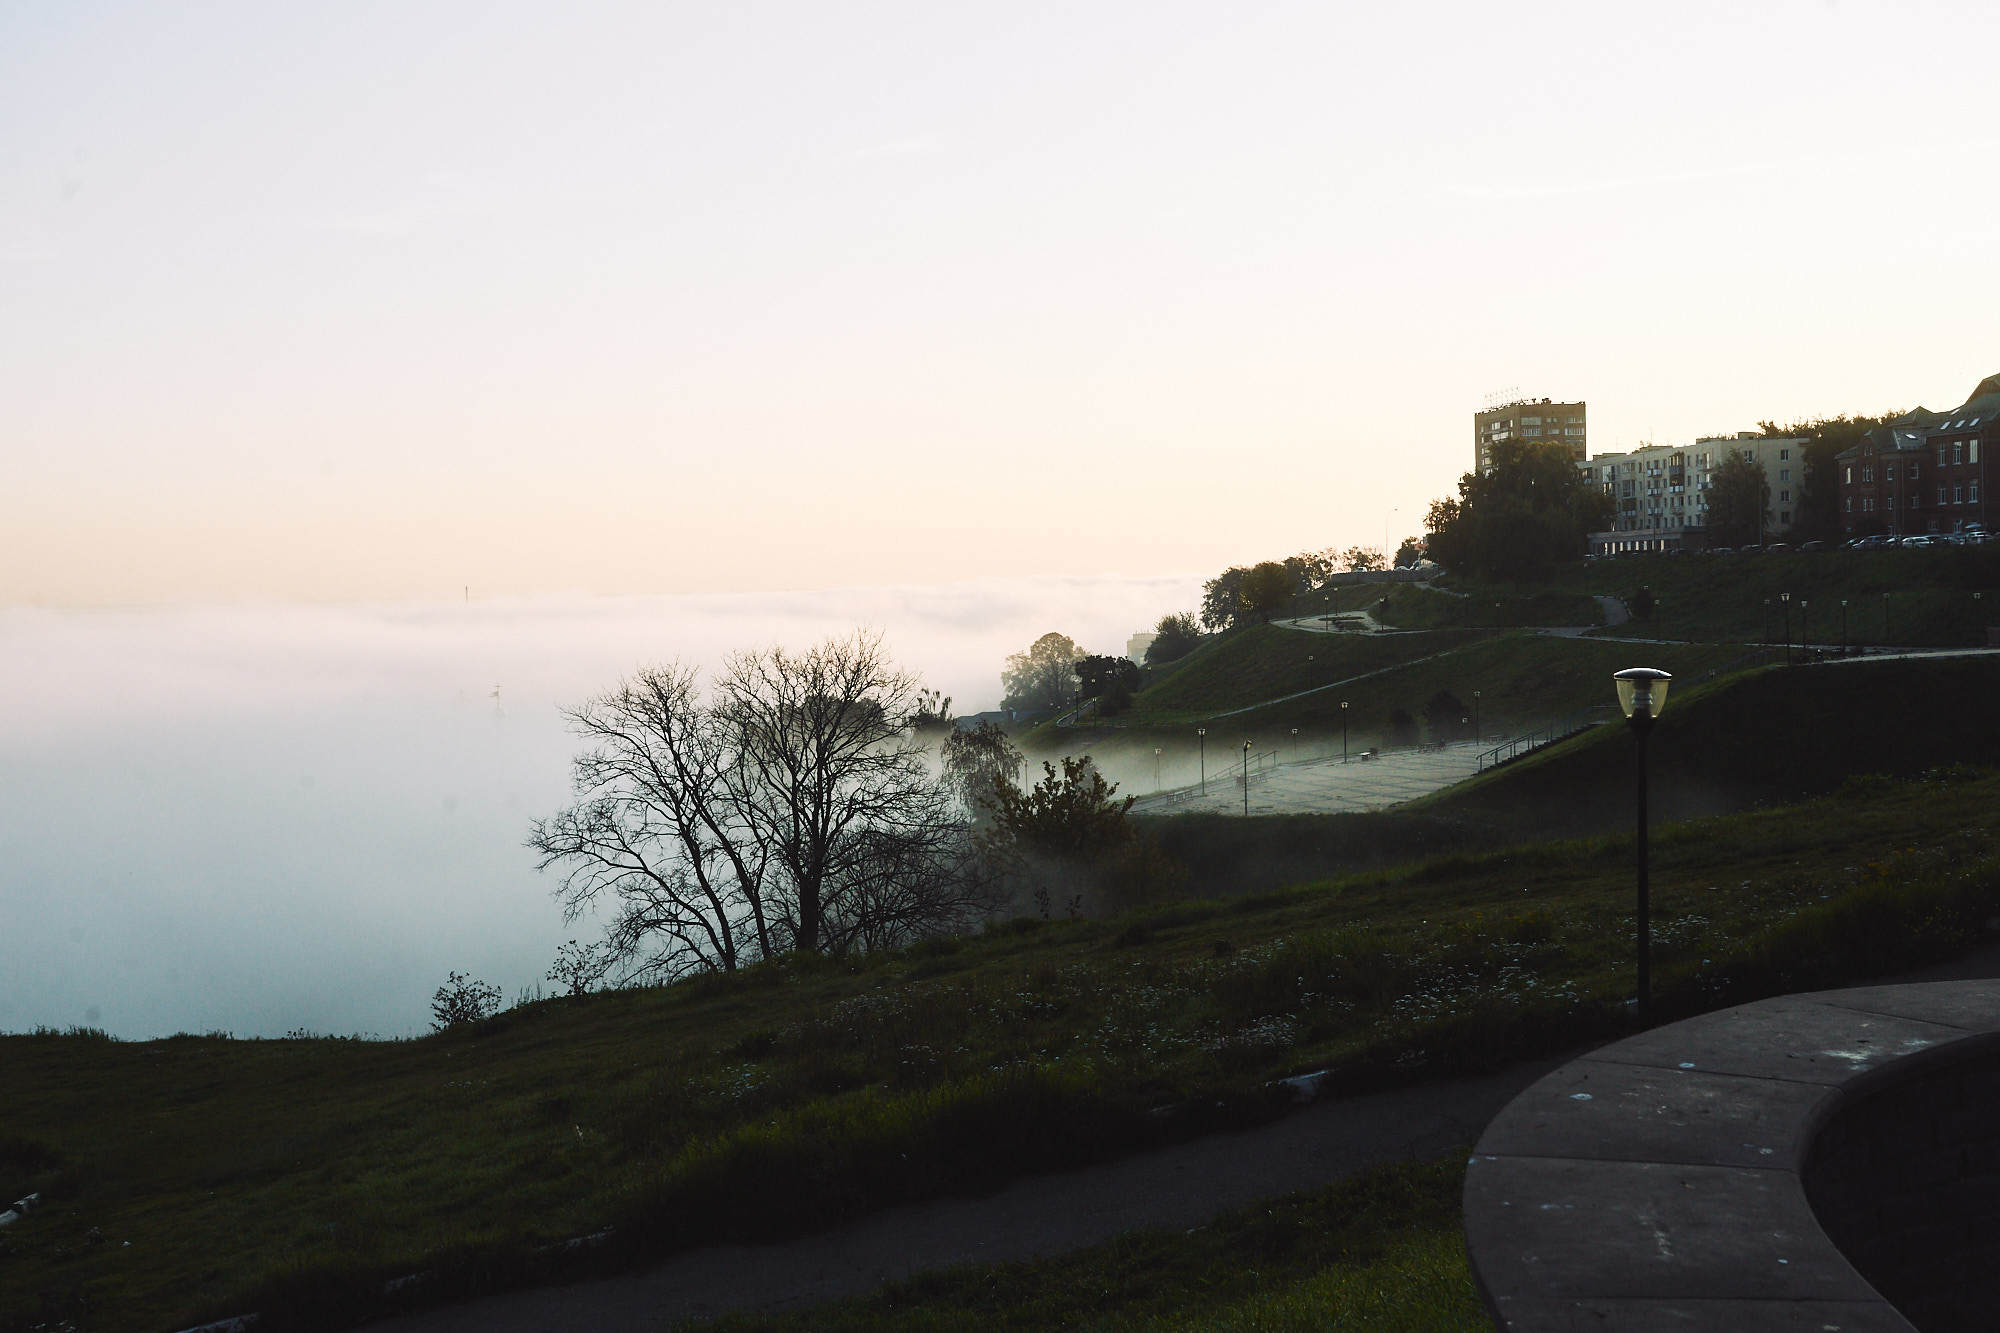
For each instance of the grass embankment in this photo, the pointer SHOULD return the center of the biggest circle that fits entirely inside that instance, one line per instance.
(1380, 1253)
(1721, 599)
(1416, 606)
(1525, 681)
(294, 1176)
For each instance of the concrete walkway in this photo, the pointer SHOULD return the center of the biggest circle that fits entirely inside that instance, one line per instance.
(1326, 786)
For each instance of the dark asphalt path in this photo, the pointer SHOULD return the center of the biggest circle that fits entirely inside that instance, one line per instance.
(1182, 1186)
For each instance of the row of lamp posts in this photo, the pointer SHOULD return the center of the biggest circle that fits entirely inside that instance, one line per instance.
(1642, 693)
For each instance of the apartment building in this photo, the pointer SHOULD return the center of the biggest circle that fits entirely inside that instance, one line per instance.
(1659, 492)
(1540, 420)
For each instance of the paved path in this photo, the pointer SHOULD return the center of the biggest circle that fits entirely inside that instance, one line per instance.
(1182, 1186)
(1326, 786)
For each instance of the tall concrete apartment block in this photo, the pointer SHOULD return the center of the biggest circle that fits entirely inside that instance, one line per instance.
(1540, 420)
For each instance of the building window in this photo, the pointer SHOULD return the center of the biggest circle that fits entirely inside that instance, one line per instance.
(1913, 472)
(1850, 475)
(1958, 451)
(1850, 504)
(1785, 517)
(1940, 455)
(1784, 455)
(1958, 495)
(1972, 493)
(1940, 492)
(1972, 452)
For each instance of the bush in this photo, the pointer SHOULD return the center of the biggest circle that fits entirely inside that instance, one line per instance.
(461, 1002)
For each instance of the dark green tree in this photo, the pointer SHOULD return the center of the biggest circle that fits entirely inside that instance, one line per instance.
(1816, 515)
(1739, 501)
(1222, 599)
(1532, 511)
(1174, 637)
(1072, 815)
(1268, 588)
(1409, 553)
(1042, 677)
(1097, 673)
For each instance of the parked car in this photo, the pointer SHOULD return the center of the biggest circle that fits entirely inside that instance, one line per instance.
(1778, 548)
(1813, 546)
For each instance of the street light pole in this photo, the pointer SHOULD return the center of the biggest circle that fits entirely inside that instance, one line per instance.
(1343, 731)
(1476, 734)
(1201, 739)
(1785, 604)
(1843, 627)
(1246, 779)
(1156, 768)
(1642, 693)
(1805, 630)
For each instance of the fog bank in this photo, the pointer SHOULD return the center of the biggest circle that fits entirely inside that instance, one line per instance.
(260, 819)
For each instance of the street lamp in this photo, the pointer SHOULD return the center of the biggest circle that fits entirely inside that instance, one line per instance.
(1343, 731)
(1767, 620)
(1295, 741)
(1805, 630)
(1843, 627)
(1475, 715)
(1785, 604)
(1156, 768)
(1246, 779)
(1642, 694)
(1201, 739)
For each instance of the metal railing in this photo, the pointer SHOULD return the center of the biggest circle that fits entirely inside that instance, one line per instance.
(1560, 729)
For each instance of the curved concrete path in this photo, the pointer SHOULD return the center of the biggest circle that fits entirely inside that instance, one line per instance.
(1182, 1186)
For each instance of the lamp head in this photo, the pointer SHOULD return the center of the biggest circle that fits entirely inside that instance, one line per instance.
(1642, 691)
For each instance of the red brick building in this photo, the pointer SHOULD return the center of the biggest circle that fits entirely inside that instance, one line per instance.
(1925, 471)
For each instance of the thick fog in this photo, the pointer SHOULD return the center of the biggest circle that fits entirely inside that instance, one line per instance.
(261, 819)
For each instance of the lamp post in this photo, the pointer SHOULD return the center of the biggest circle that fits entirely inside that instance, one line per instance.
(1343, 731)
(1246, 779)
(1295, 741)
(1843, 627)
(1785, 605)
(1805, 630)
(1475, 715)
(1642, 693)
(1201, 740)
(1156, 768)
(1767, 620)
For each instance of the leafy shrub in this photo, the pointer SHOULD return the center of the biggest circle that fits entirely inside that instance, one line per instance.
(463, 1001)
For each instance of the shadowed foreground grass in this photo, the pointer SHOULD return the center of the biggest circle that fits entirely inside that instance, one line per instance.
(1379, 1253)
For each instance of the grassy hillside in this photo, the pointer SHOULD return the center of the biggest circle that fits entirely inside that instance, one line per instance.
(1414, 606)
(1525, 680)
(1768, 735)
(294, 1176)
(1721, 598)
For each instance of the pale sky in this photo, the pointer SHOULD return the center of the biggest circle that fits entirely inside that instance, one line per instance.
(354, 300)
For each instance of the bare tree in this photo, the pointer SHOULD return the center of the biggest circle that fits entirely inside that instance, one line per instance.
(793, 809)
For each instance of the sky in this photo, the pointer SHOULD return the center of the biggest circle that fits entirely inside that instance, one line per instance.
(386, 301)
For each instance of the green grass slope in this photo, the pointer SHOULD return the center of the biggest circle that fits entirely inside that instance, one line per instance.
(1722, 598)
(1767, 735)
